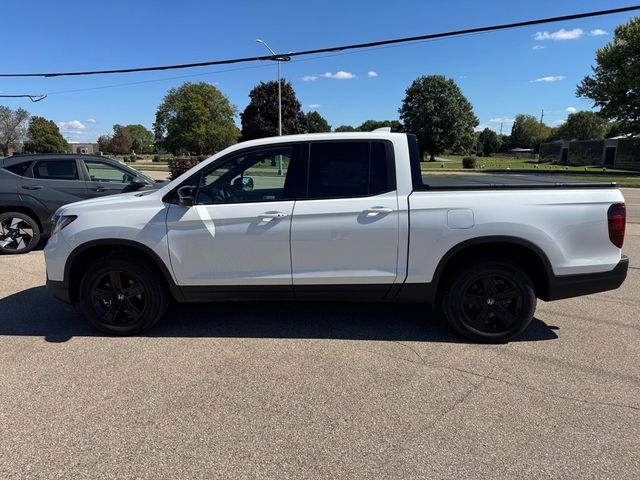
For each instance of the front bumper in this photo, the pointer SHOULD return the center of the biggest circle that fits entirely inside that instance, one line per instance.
(60, 290)
(567, 286)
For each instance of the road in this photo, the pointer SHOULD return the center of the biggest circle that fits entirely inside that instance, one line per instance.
(319, 391)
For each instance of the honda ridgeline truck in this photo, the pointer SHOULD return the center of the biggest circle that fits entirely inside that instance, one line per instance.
(344, 216)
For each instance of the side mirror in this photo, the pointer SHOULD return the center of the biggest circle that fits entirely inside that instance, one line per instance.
(244, 184)
(138, 183)
(185, 196)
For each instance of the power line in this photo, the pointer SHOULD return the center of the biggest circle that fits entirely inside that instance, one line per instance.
(33, 98)
(426, 37)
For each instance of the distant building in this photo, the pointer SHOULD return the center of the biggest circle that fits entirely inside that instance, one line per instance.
(623, 152)
(83, 148)
(521, 152)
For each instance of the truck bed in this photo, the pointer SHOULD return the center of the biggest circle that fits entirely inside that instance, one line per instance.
(506, 182)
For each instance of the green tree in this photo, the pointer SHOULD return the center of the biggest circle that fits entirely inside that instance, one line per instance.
(489, 141)
(121, 142)
(316, 123)
(436, 111)
(345, 128)
(196, 118)
(371, 125)
(13, 127)
(142, 138)
(528, 132)
(43, 136)
(615, 83)
(104, 143)
(583, 125)
(260, 118)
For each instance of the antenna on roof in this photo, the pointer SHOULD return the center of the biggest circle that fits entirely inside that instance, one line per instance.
(383, 130)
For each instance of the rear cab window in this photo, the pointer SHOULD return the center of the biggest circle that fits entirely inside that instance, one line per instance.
(350, 169)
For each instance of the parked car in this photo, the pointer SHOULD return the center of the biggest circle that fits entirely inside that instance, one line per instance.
(351, 218)
(33, 187)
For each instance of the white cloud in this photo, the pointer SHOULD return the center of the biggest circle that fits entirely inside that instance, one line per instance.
(340, 75)
(462, 76)
(309, 78)
(571, 109)
(313, 105)
(562, 120)
(561, 34)
(598, 32)
(372, 73)
(550, 78)
(538, 47)
(480, 127)
(72, 126)
(91, 120)
(502, 120)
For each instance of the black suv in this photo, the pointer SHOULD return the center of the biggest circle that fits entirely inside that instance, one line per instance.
(33, 187)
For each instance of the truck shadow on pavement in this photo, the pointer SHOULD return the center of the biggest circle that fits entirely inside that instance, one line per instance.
(34, 312)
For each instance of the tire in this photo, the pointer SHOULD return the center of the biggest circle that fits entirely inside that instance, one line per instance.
(121, 296)
(491, 301)
(19, 233)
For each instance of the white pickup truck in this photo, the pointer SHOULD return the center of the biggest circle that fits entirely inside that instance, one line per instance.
(343, 217)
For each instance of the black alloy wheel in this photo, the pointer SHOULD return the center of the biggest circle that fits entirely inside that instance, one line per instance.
(490, 301)
(118, 298)
(19, 233)
(122, 295)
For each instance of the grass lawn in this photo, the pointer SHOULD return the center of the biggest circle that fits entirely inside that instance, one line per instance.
(509, 163)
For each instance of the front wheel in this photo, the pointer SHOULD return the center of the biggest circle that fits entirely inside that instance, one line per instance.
(122, 296)
(490, 302)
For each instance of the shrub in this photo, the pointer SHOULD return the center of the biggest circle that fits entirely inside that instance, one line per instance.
(156, 158)
(179, 165)
(129, 158)
(469, 162)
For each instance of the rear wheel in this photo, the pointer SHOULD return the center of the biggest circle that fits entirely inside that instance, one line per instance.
(19, 233)
(122, 296)
(491, 301)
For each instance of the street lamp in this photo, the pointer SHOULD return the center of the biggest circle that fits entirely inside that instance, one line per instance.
(277, 58)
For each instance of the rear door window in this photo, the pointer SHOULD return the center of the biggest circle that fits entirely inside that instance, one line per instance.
(349, 169)
(56, 170)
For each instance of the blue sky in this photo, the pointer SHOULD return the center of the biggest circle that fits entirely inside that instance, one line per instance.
(502, 74)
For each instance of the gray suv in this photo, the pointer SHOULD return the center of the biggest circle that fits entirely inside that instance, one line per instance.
(33, 187)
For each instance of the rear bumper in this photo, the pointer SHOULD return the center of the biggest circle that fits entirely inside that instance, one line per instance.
(60, 290)
(567, 286)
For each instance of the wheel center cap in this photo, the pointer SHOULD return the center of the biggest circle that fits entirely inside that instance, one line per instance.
(490, 301)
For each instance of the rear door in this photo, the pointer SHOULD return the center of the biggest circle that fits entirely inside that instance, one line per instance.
(53, 182)
(344, 234)
(104, 178)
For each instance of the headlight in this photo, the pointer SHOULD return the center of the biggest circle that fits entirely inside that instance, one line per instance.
(61, 221)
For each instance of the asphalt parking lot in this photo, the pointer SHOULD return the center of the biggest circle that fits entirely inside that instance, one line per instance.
(319, 391)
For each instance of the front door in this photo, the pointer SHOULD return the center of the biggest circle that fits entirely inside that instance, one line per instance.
(235, 237)
(344, 235)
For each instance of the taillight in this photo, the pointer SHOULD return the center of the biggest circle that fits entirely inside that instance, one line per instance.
(617, 217)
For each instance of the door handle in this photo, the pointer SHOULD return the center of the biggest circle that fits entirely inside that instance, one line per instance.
(377, 210)
(32, 187)
(271, 215)
(99, 189)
